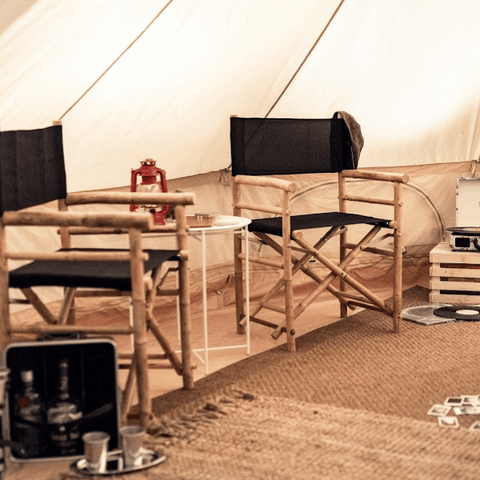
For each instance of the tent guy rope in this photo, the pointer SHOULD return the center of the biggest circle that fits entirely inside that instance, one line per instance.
(314, 46)
(118, 58)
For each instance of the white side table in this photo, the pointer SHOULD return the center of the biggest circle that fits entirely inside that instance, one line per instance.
(224, 224)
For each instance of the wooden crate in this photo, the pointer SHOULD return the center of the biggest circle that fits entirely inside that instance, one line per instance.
(454, 276)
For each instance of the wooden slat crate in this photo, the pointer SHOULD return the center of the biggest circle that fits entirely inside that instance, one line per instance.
(454, 276)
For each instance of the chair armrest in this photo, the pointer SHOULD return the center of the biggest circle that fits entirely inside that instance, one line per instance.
(285, 186)
(260, 181)
(168, 228)
(128, 198)
(381, 176)
(142, 221)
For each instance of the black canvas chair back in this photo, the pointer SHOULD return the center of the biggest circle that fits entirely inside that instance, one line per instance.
(265, 147)
(32, 168)
(32, 173)
(287, 146)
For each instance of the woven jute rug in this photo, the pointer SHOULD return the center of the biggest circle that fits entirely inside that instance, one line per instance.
(358, 363)
(252, 437)
(351, 403)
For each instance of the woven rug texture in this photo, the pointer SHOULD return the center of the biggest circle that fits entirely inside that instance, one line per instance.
(248, 437)
(351, 403)
(357, 363)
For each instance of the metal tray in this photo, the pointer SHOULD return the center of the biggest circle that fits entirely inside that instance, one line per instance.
(150, 458)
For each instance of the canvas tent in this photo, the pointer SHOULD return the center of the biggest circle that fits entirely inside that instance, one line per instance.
(159, 79)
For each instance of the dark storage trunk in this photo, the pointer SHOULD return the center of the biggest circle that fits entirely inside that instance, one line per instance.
(76, 387)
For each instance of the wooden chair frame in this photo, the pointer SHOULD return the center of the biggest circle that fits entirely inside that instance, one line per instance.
(144, 288)
(294, 242)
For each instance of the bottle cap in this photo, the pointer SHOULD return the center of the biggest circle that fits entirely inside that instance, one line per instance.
(26, 376)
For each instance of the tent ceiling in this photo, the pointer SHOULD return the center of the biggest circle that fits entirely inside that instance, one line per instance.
(408, 71)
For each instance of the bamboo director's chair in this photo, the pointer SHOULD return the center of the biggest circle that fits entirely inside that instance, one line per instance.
(261, 148)
(32, 173)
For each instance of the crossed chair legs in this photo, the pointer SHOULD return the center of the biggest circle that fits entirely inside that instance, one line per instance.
(291, 265)
(182, 367)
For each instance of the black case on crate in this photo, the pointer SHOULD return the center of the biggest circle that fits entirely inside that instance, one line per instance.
(58, 389)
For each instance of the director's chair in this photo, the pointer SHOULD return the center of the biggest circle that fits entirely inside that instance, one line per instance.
(263, 149)
(32, 176)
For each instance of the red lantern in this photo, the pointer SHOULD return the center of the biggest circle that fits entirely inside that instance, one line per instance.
(153, 181)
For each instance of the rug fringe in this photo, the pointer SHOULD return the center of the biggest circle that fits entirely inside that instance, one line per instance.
(167, 430)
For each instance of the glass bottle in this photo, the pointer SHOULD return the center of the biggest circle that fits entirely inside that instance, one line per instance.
(63, 411)
(27, 405)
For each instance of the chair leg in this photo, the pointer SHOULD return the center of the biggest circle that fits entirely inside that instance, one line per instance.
(398, 258)
(397, 283)
(166, 347)
(289, 315)
(64, 316)
(185, 326)
(288, 277)
(139, 314)
(183, 367)
(141, 361)
(343, 285)
(339, 271)
(152, 324)
(296, 265)
(38, 305)
(127, 397)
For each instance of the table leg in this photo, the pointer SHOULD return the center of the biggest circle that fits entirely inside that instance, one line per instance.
(204, 296)
(247, 289)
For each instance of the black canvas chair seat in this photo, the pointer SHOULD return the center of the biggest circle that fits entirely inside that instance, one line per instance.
(273, 226)
(263, 149)
(85, 274)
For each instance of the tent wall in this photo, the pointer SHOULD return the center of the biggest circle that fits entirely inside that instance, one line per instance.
(159, 79)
